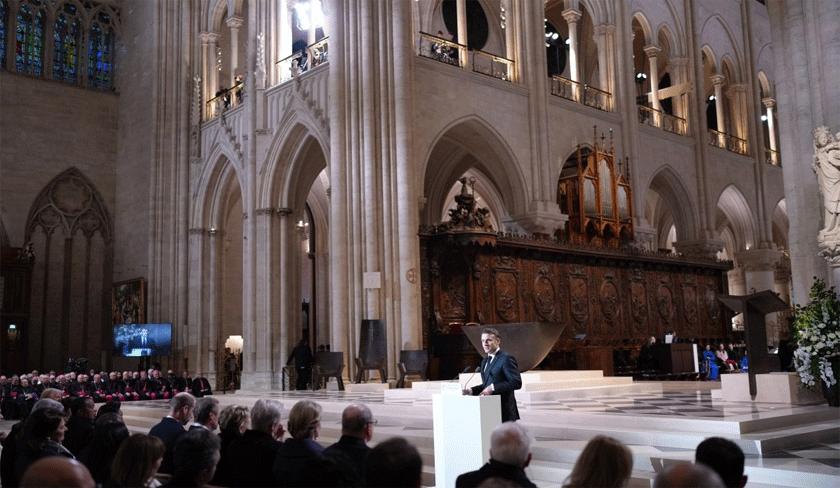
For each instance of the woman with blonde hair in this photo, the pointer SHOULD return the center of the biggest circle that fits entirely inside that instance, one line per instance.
(137, 461)
(605, 462)
(300, 452)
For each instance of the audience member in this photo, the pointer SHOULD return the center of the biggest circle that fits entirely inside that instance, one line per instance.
(8, 455)
(351, 450)
(233, 422)
(725, 458)
(687, 475)
(108, 434)
(171, 427)
(201, 387)
(723, 355)
(137, 461)
(394, 463)
(196, 456)
(510, 454)
(248, 460)
(42, 434)
(113, 406)
(57, 472)
(206, 414)
(80, 425)
(604, 462)
(300, 451)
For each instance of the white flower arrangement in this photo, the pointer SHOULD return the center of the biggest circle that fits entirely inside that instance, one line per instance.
(817, 330)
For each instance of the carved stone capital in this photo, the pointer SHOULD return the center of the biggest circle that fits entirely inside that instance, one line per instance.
(706, 248)
(284, 211)
(759, 259)
(769, 102)
(235, 22)
(604, 29)
(718, 80)
(652, 51)
(265, 211)
(208, 38)
(572, 15)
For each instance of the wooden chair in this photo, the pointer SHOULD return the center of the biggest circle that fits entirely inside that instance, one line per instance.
(412, 362)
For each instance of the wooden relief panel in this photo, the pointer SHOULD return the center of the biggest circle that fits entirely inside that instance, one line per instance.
(545, 296)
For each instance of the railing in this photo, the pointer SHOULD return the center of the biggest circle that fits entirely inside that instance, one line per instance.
(772, 157)
(491, 65)
(667, 122)
(312, 56)
(439, 49)
(225, 99)
(585, 94)
(728, 142)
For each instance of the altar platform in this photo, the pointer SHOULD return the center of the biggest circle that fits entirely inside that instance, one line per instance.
(661, 422)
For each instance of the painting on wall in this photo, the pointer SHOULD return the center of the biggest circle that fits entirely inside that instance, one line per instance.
(128, 302)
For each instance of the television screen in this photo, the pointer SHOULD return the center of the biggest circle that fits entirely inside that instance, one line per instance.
(136, 340)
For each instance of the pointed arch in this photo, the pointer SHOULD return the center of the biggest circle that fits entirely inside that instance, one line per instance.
(735, 211)
(470, 142)
(213, 181)
(781, 225)
(673, 207)
(71, 203)
(640, 17)
(716, 32)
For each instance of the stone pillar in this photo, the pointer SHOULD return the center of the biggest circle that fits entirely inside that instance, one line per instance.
(759, 275)
(605, 40)
(209, 72)
(717, 81)
(738, 97)
(652, 53)
(770, 105)
(198, 312)
(234, 23)
(284, 30)
(461, 9)
(206, 362)
(269, 332)
(510, 36)
(572, 16)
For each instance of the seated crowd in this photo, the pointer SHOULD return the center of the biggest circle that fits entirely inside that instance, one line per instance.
(86, 447)
(19, 393)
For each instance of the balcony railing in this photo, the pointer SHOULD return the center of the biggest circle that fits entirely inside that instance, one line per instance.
(662, 120)
(772, 157)
(581, 93)
(439, 49)
(728, 142)
(491, 65)
(224, 100)
(312, 56)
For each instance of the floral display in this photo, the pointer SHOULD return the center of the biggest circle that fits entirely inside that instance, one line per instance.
(817, 332)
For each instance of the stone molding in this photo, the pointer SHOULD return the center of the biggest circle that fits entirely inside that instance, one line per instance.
(572, 15)
(652, 51)
(699, 247)
(759, 259)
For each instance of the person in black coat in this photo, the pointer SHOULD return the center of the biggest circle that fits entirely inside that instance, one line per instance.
(201, 387)
(351, 451)
(248, 460)
(43, 432)
(171, 427)
(510, 454)
(298, 459)
(499, 374)
(80, 425)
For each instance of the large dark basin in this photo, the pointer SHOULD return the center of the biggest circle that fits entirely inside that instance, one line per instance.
(528, 342)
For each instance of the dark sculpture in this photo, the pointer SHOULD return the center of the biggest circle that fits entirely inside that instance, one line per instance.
(528, 342)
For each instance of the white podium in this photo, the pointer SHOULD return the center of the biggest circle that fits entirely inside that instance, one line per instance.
(462, 428)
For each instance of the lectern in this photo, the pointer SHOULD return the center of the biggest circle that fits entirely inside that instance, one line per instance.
(755, 308)
(462, 428)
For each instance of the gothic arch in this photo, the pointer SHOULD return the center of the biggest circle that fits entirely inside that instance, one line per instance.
(716, 32)
(215, 177)
(668, 203)
(467, 143)
(296, 157)
(645, 25)
(734, 211)
(780, 225)
(72, 203)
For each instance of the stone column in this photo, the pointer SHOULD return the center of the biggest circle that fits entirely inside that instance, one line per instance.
(207, 342)
(269, 333)
(652, 52)
(461, 9)
(210, 74)
(510, 37)
(717, 81)
(572, 16)
(198, 311)
(284, 30)
(770, 105)
(605, 39)
(234, 23)
(738, 97)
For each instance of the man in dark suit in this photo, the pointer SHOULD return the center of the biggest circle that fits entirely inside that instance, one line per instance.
(171, 427)
(351, 451)
(510, 454)
(499, 374)
(201, 386)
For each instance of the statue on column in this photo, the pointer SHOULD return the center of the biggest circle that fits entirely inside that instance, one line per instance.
(827, 167)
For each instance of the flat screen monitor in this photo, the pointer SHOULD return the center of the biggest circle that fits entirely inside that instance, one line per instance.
(137, 340)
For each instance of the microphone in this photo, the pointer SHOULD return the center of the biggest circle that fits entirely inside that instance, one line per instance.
(477, 369)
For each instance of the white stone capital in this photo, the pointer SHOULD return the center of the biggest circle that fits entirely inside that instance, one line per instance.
(604, 29)
(718, 80)
(208, 38)
(652, 51)
(769, 102)
(235, 22)
(572, 15)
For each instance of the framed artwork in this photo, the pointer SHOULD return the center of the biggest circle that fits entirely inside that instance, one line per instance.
(128, 302)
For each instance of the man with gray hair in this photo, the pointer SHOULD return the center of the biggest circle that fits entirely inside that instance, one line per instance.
(351, 451)
(510, 454)
(171, 427)
(206, 414)
(687, 475)
(248, 460)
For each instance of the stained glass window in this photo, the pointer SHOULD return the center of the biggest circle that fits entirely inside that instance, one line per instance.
(67, 38)
(101, 53)
(4, 9)
(29, 38)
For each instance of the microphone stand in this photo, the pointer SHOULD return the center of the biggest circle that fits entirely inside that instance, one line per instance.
(464, 386)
